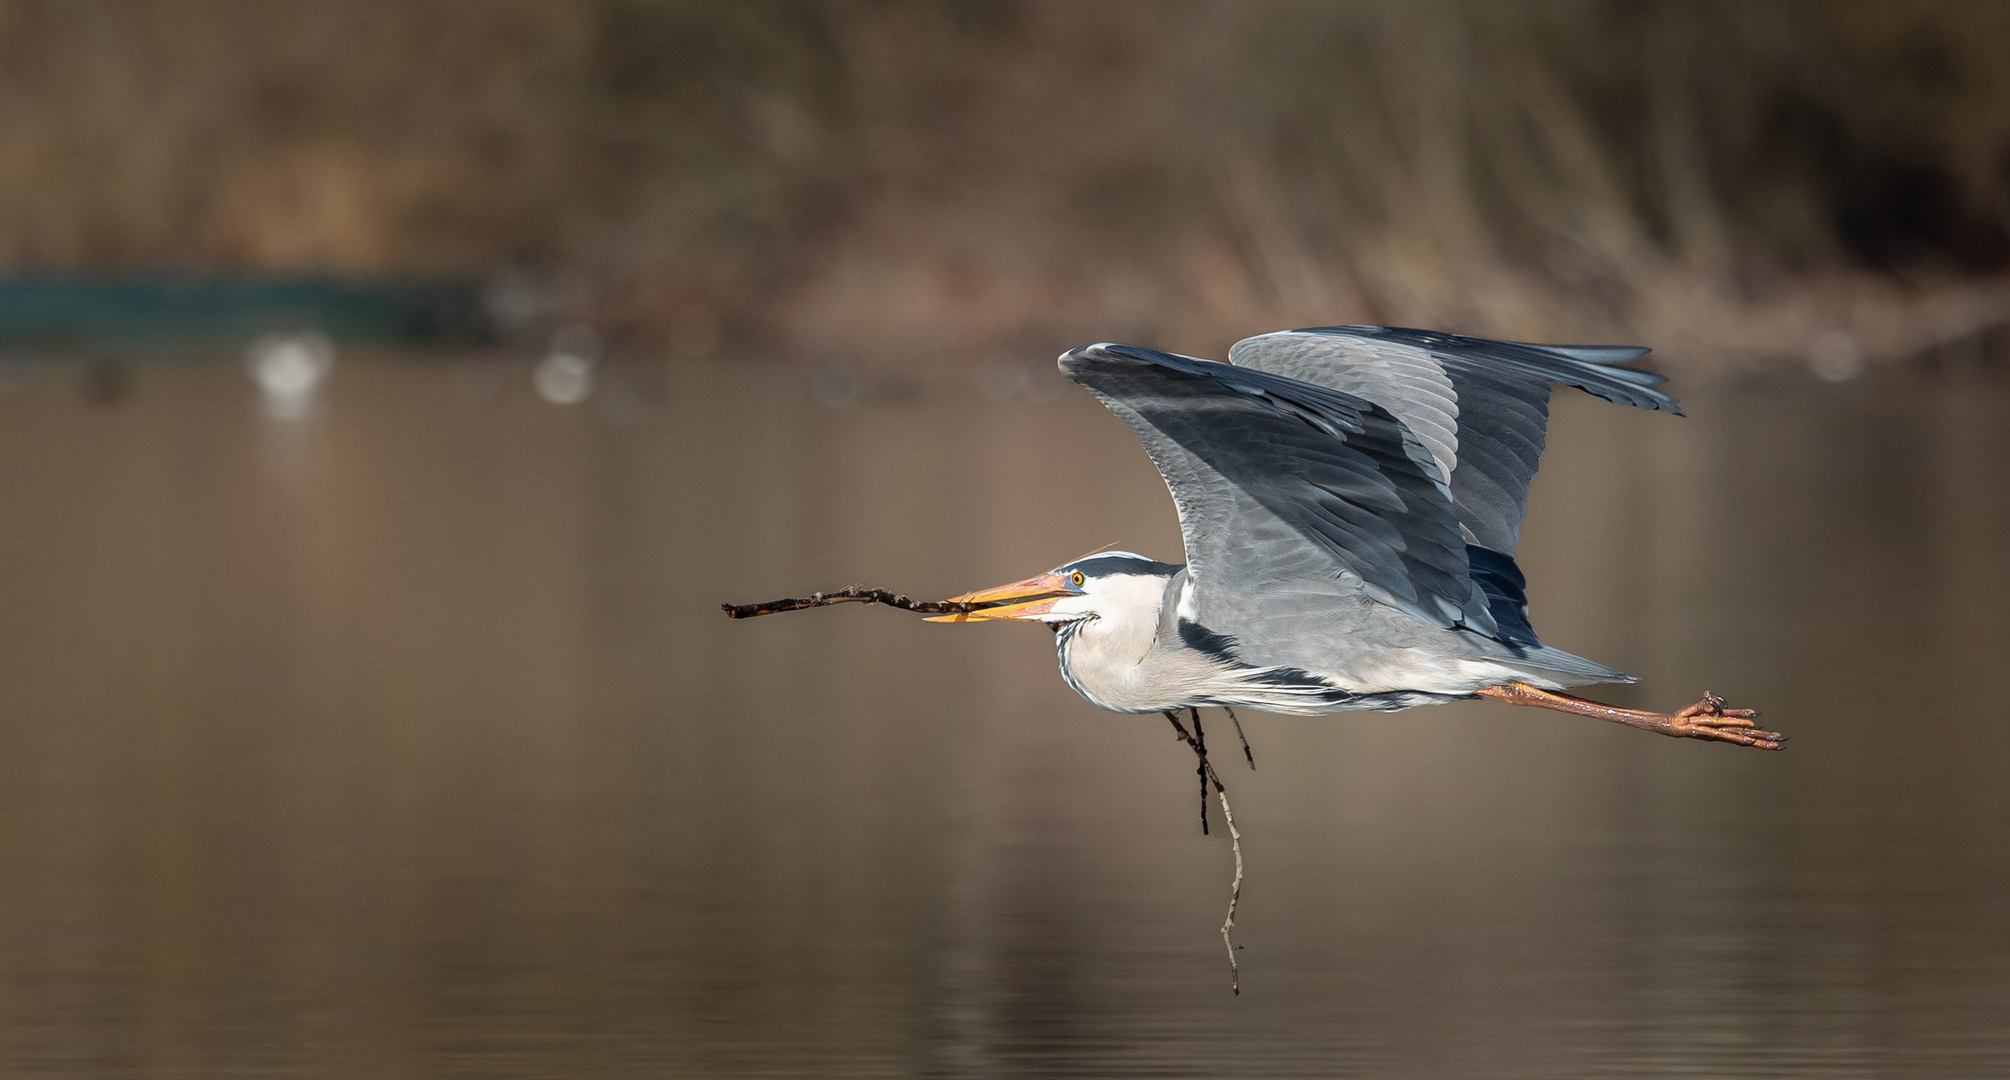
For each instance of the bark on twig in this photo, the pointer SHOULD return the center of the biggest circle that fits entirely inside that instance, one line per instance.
(1234, 838)
(1200, 740)
(1234, 895)
(856, 594)
(1232, 718)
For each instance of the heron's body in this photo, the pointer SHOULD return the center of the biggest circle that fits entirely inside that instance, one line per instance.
(1141, 655)
(1350, 500)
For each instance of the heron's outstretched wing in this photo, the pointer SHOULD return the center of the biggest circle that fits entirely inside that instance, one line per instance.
(1279, 481)
(1482, 406)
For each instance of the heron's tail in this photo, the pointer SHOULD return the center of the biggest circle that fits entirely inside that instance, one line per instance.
(1547, 665)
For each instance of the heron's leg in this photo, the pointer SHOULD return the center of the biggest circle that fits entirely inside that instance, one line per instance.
(1706, 719)
(1240, 735)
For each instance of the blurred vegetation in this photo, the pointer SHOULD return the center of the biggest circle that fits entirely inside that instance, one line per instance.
(1752, 180)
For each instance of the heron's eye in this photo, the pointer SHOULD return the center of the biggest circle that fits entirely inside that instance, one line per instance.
(1076, 579)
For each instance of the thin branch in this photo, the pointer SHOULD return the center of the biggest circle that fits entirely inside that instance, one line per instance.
(1238, 734)
(1234, 895)
(1234, 837)
(1206, 768)
(857, 594)
(1200, 740)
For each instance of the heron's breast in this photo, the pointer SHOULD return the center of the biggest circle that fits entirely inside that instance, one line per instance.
(1115, 672)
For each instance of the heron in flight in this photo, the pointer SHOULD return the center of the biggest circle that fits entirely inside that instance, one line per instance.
(1350, 498)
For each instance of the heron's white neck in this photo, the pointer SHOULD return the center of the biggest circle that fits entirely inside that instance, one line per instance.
(1103, 658)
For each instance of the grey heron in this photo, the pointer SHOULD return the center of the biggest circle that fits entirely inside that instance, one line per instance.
(1350, 499)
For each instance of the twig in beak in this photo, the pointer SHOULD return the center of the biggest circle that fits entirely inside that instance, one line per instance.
(857, 594)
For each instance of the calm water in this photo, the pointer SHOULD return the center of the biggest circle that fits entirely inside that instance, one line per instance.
(408, 740)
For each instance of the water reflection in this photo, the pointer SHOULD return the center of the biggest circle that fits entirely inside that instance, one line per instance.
(565, 375)
(436, 758)
(289, 370)
(19, 371)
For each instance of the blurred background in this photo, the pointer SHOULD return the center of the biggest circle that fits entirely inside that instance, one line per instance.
(390, 393)
(921, 180)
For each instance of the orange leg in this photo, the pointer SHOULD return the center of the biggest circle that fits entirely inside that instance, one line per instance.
(1706, 719)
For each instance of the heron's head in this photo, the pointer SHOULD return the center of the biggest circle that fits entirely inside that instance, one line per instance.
(1105, 584)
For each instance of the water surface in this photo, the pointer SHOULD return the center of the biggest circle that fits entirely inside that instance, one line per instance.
(408, 740)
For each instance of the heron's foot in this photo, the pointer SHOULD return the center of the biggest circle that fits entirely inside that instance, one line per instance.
(1708, 719)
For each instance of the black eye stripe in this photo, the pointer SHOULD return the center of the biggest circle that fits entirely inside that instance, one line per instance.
(1116, 565)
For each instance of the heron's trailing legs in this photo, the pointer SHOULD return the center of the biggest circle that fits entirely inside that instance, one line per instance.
(1207, 777)
(1706, 719)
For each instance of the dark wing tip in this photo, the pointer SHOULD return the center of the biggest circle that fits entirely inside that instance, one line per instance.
(1600, 354)
(1072, 360)
(1075, 361)
(1590, 368)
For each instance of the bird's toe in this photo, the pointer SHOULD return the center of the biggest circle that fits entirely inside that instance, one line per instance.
(1741, 733)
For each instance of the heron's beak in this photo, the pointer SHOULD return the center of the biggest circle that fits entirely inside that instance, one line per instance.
(1028, 599)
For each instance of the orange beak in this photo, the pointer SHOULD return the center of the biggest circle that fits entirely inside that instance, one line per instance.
(1028, 599)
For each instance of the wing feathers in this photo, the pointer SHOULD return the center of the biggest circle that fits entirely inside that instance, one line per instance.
(1587, 367)
(1243, 451)
(1383, 462)
(1481, 405)
(1602, 354)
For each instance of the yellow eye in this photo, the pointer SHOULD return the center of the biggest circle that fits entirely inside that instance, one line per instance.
(1077, 579)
